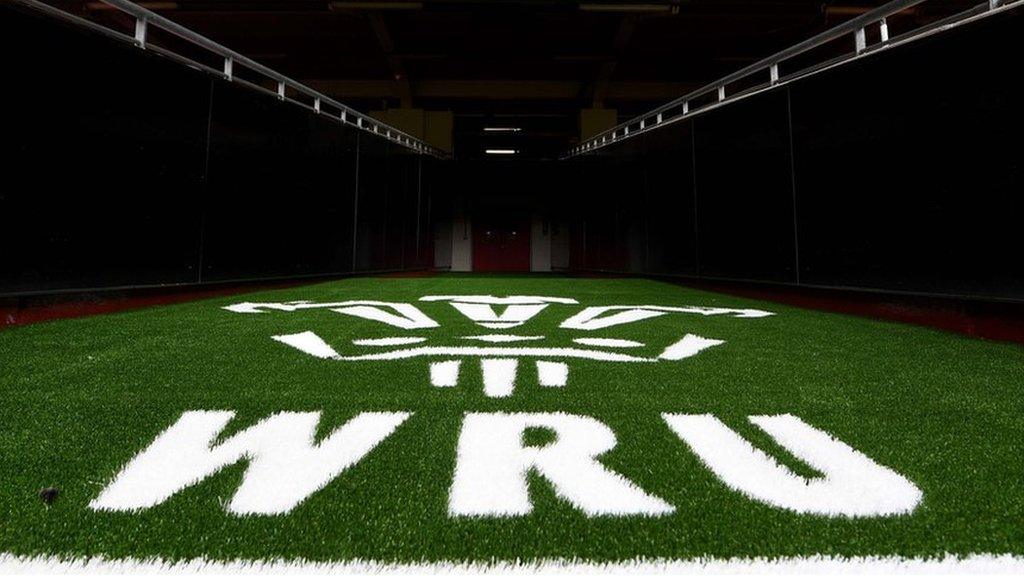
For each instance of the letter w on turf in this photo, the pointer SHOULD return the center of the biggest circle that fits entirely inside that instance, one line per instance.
(285, 466)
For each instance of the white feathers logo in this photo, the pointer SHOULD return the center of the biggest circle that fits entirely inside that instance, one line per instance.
(498, 350)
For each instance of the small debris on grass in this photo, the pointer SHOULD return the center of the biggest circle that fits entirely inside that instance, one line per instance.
(48, 495)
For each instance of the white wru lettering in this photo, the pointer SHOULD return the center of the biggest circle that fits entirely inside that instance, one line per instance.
(285, 466)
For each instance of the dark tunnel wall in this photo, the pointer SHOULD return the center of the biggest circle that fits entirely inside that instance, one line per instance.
(900, 172)
(123, 169)
(897, 172)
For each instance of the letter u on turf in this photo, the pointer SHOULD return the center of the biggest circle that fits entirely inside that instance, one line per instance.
(285, 466)
(853, 485)
(492, 466)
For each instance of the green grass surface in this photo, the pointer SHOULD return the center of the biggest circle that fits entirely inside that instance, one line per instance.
(79, 398)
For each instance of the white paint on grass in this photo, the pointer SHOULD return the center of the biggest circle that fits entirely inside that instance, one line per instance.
(552, 374)
(609, 342)
(398, 341)
(499, 313)
(480, 309)
(588, 318)
(499, 351)
(397, 314)
(502, 338)
(408, 317)
(989, 564)
(492, 465)
(512, 317)
(285, 466)
(499, 376)
(445, 374)
(498, 363)
(594, 317)
(312, 344)
(853, 485)
(688, 346)
(500, 300)
(309, 343)
(261, 307)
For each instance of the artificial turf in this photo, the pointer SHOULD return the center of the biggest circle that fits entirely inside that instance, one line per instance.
(79, 398)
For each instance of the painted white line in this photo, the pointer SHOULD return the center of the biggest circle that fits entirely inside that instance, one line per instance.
(485, 315)
(497, 338)
(991, 564)
(609, 342)
(552, 374)
(309, 343)
(480, 309)
(445, 374)
(407, 317)
(497, 351)
(594, 318)
(500, 325)
(499, 300)
(499, 376)
(398, 341)
(690, 345)
(313, 345)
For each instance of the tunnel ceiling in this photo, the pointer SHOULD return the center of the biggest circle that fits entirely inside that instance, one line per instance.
(532, 63)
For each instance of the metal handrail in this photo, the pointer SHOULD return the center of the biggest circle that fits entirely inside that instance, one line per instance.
(145, 19)
(770, 68)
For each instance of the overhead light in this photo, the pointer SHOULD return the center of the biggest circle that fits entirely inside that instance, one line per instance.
(501, 151)
(602, 7)
(501, 129)
(374, 5)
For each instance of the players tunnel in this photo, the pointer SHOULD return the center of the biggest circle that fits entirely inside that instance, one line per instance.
(874, 148)
(511, 286)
